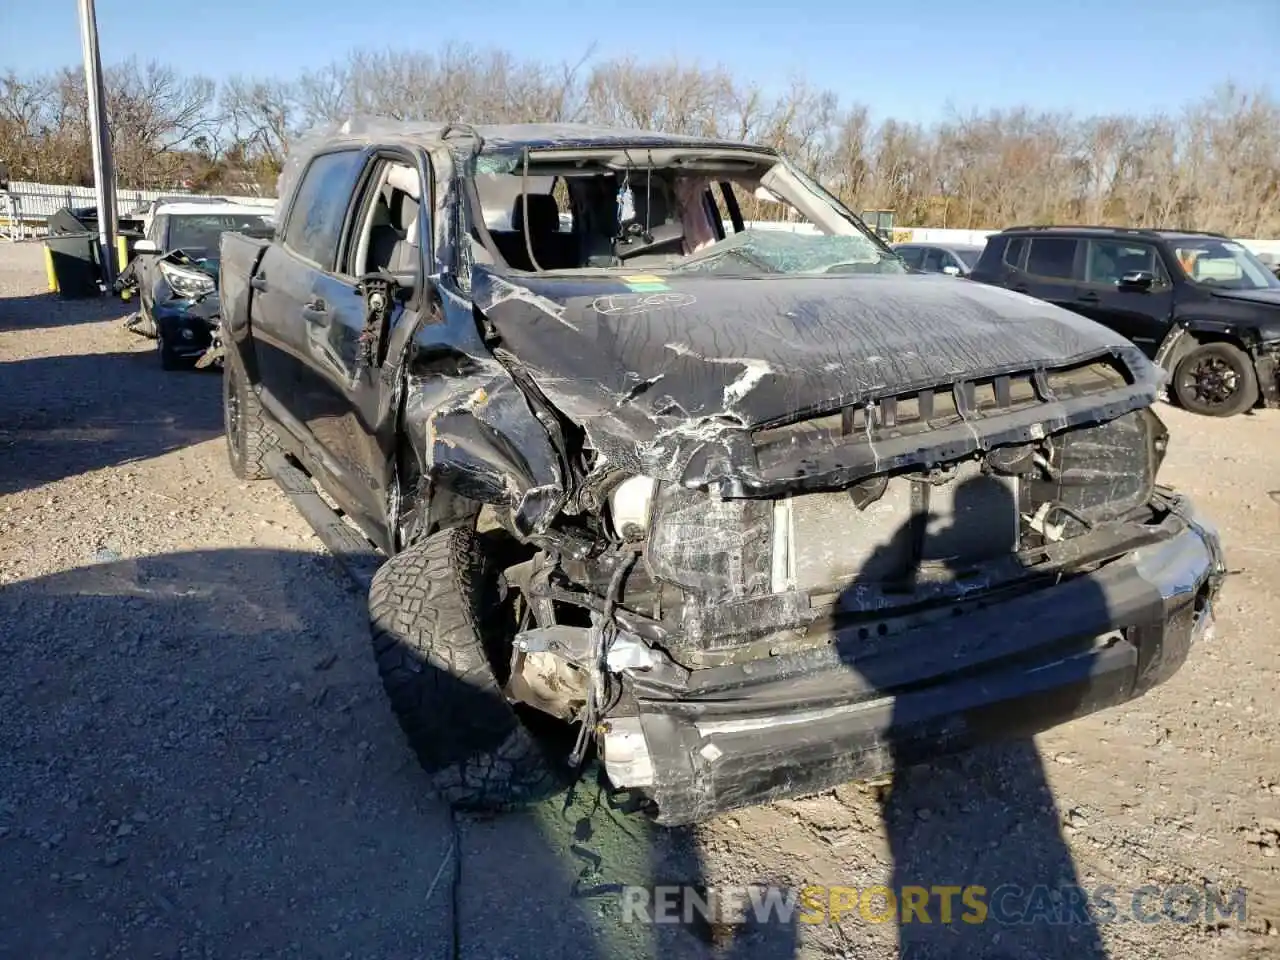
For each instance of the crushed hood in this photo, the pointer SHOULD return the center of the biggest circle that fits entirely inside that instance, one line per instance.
(642, 360)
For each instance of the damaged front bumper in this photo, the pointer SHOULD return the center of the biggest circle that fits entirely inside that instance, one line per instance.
(799, 723)
(189, 327)
(1266, 367)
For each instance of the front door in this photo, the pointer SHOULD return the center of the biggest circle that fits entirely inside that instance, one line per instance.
(283, 283)
(342, 392)
(1142, 316)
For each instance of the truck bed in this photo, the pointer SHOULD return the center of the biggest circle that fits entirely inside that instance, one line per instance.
(238, 262)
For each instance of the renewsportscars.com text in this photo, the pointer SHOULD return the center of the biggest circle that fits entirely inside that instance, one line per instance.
(1008, 904)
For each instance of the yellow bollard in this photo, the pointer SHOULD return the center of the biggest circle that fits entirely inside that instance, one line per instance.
(122, 252)
(50, 273)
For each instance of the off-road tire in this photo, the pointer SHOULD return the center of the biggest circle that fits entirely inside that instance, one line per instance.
(249, 437)
(1243, 397)
(437, 626)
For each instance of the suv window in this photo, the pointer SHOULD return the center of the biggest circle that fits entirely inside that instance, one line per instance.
(1052, 257)
(320, 206)
(1013, 253)
(935, 260)
(911, 255)
(1109, 260)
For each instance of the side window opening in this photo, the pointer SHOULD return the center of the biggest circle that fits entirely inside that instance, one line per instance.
(1015, 251)
(320, 206)
(387, 237)
(1052, 257)
(912, 256)
(1109, 260)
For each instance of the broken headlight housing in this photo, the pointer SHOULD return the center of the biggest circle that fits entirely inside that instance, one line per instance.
(717, 549)
(185, 282)
(630, 507)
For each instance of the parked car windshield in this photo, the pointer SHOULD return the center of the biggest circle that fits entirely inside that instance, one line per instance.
(968, 257)
(1223, 263)
(200, 233)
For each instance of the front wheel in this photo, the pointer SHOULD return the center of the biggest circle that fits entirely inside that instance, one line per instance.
(1216, 380)
(438, 635)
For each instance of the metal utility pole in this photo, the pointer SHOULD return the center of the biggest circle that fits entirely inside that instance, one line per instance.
(104, 174)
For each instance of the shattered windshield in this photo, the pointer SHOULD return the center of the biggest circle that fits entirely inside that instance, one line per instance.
(725, 212)
(777, 251)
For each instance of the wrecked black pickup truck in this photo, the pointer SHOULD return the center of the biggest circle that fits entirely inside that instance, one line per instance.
(742, 513)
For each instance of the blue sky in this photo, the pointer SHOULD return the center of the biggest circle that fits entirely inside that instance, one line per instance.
(907, 60)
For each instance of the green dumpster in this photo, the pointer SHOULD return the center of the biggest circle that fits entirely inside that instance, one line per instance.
(72, 262)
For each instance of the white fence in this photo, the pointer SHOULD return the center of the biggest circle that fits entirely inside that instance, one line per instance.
(34, 203)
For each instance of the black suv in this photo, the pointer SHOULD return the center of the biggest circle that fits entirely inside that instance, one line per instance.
(1199, 304)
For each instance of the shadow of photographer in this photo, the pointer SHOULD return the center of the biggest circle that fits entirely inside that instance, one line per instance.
(980, 865)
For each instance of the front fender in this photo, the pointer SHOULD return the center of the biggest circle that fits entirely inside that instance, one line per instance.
(1182, 338)
(478, 437)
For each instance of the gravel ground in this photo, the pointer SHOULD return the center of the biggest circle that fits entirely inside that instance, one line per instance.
(196, 759)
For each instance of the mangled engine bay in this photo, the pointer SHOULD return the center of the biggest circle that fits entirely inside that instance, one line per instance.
(640, 582)
(769, 451)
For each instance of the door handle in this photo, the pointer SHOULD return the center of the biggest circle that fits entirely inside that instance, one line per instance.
(258, 282)
(1088, 297)
(315, 311)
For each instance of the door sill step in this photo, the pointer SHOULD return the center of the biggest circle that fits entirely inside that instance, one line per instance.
(358, 557)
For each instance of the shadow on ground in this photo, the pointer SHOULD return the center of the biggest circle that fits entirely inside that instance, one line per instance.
(979, 831)
(196, 758)
(44, 310)
(69, 415)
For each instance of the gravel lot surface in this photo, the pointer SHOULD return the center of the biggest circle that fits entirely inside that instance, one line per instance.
(196, 759)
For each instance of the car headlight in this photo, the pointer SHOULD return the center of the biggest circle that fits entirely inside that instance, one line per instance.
(717, 549)
(630, 505)
(185, 282)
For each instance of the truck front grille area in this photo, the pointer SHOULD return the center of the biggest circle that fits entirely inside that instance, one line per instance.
(825, 542)
(890, 532)
(931, 409)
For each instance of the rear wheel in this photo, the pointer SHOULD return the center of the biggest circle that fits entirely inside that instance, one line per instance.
(440, 631)
(1216, 380)
(249, 437)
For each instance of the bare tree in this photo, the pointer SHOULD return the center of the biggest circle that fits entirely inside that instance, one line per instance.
(1215, 165)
